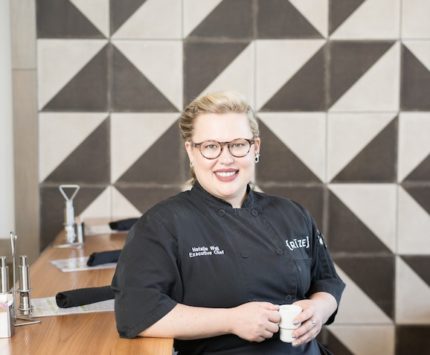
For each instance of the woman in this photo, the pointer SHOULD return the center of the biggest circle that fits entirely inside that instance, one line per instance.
(210, 266)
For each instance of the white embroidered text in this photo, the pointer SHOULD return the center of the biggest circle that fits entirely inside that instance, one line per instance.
(298, 243)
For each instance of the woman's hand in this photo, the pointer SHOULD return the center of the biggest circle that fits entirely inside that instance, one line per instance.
(316, 312)
(255, 321)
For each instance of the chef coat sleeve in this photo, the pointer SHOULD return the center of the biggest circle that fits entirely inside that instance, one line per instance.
(324, 277)
(147, 279)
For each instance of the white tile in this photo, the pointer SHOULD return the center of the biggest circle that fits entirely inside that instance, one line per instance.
(155, 19)
(195, 11)
(277, 61)
(367, 201)
(60, 134)
(97, 11)
(412, 296)
(421, 50)
(316, 12)
(378, 89)
(121, 207)
(413, 226)
(99, 208)
(414, 141)
(356, 307)
(160, 62)
(59, 60)
(348, 134)
(238, 76)
(415, 19)
(366, 339)
(303, 133)
(374, 19)
(132, 134)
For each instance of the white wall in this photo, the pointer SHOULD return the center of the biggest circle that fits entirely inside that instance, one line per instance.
(7, 214)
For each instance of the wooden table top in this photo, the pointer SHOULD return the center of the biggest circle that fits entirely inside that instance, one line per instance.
(91, 333)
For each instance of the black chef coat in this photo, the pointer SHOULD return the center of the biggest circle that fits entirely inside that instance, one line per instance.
(197, 250)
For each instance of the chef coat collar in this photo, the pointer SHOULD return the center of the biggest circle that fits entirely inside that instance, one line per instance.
(220, 203)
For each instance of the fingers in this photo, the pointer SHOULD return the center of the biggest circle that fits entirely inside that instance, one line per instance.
(304, 315)
(269, 306)
(275, 317)
(308, 331)
(272, 327)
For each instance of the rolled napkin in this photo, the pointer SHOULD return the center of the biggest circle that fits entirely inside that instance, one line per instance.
(83, 296)
(122, 224)
(103, 257)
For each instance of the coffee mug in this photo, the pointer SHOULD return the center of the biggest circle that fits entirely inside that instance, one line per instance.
(288, 313)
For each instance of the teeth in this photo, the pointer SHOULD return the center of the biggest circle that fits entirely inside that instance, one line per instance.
(225, 174)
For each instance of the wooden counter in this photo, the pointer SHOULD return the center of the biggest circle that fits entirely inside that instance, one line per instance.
(92, 333)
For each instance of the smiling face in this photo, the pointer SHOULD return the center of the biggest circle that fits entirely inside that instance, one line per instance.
(225, 177)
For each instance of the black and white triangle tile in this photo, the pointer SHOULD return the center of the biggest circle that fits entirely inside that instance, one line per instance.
(340, 88)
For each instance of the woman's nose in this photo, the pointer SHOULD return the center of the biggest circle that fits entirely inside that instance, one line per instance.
(225, 156)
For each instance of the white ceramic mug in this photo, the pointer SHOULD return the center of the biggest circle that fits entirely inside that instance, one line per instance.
(288, 313)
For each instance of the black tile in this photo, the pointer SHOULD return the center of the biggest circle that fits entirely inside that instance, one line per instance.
(286, 167)
(421, 172)
(339, 11)
(412, 339)
(163, 163)
(421, 194)
(335, 345)
(132, 91)
(420, 264)
(415, 83)
(120, 12)
(204, 61)
(61, 19)
(376, 162)
(230, 19)
(87, 90)
(348, 234)
(143, 198)
(89, 162)
(375, 276)
(305, 91)
(311, 197)
(349, 60)
(280, 19)
(52, 206)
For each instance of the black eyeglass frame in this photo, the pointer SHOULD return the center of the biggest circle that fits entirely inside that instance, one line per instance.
(222, 144)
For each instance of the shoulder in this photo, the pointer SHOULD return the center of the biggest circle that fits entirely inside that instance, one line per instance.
(272, 204)
(168, 211)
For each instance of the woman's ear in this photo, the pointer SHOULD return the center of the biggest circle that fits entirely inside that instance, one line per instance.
(257, 145)
(189, 149)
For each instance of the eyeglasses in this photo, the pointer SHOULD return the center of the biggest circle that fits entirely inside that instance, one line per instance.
(212, 149)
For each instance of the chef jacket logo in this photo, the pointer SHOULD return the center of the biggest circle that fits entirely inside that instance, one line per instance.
(297, 243)
(205, 251)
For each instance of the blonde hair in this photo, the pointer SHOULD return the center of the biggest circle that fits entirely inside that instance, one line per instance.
(219, 103)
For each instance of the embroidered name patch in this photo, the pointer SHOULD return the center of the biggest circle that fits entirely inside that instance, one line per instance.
(205, 251)
(298, 243)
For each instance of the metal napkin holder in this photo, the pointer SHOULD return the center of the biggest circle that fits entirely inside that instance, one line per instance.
(10, 315)
(74, 231)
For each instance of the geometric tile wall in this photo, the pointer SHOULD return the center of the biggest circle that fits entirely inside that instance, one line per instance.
(342, 92)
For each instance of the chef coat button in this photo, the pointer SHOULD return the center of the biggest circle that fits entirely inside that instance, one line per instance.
(221, 212)
(244, 255)
(254, 212)
(279, 251)
(288, 298)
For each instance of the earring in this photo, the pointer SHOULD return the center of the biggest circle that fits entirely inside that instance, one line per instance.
(257, 158)
(191, 165)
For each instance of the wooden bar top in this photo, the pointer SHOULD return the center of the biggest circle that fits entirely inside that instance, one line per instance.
(91, 333)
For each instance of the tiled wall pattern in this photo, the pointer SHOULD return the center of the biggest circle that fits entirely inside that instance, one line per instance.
(342, 91)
